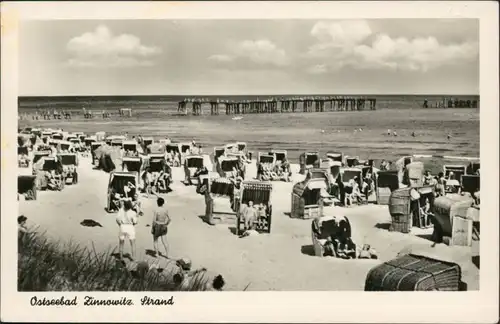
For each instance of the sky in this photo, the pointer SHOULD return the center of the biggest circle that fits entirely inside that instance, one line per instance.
(229, 57)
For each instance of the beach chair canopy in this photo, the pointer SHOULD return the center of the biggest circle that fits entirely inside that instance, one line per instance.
(96, 145)
(22, 150)
(458, 171)
(185, 147)
(64, 145)
(38, 156)
(315, 184)
(350, 173)
(324, 227)
(335, 168)
(317, 173)
(219, 151)
(132, 164)
(68, 159)
(118, 180)
(471, 183)
(256, 191)
(266, 158)
(130, 146)
(156, 148)
(311, 157)
(280, 155)
(473, 167)
(195, 161)
(335, 156)
(173, 147)
(51, 163)
(157, 164)
(228, 163)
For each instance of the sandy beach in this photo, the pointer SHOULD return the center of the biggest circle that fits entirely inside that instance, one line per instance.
(281, 260)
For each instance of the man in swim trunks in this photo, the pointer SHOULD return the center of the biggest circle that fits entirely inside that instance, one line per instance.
(159, 227)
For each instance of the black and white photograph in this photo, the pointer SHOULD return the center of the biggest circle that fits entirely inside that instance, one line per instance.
(160, 155)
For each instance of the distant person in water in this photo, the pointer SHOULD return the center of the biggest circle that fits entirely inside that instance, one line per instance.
(448, 136)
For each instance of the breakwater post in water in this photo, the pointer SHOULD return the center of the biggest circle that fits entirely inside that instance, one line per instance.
(277, 105)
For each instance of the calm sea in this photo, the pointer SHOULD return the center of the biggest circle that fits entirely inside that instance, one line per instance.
(169, 103)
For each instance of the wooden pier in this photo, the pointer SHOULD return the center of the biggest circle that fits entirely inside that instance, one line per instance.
(276, 105)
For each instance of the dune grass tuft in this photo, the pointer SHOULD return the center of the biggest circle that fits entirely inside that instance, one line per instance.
(45, 265)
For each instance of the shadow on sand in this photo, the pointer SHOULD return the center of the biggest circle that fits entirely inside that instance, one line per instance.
(475, 260)
(384, 226)
(204, 219)
(426, 237)
(307, 249)
(90, 223)
(125, 256)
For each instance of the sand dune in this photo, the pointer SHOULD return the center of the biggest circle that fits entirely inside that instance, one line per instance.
(277, 261)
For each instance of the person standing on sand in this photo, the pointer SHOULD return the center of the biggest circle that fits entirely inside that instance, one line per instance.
(159, 227)
(126, 220)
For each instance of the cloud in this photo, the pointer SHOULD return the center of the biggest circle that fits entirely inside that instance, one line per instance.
(352, 43)
(221, 58)
(418, 54)
(342, 33)
(260, 52)
(317, 69)
(100, 48)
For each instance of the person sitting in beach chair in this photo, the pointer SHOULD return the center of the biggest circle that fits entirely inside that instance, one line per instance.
(24, 161)
(201, 171)
(383, 165)
(452, 184)
(285, 166)
(249, 216)
(477, 198)
(428, 178)
(425, 213)
(342, 241)
(53, 180)
(115, 200)
(169, 158)
(352, 192)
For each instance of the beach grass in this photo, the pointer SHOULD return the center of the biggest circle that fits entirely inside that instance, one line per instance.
(46, 265)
